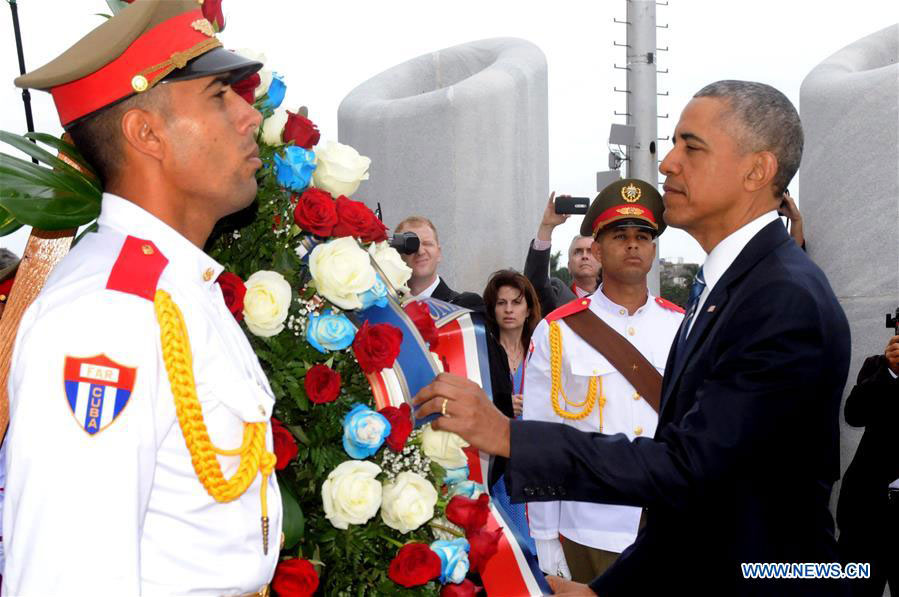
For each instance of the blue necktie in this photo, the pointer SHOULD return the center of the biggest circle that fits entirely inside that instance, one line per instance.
(695, 293)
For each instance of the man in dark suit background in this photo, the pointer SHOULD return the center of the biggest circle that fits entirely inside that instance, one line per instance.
(868, 510)
(747, 446)
(425, 281)
(582, 265)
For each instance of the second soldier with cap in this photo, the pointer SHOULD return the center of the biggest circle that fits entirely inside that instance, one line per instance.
(568, 380)
(139, 449)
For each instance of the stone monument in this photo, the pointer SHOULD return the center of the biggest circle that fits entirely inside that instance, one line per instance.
(459, 136)
(849, 179)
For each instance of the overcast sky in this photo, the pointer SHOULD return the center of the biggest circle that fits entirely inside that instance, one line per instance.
(325, 49)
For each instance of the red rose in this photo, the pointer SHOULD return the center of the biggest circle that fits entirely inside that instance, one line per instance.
(322, 384)
(233, 290)
(301, 131)
(285, 445)
(212, 10)
(466, 588)
(414, 564)
(246, 88)
(400, 420)
(483, 544)
(420, 315)
(469, 514)
(315, 212)
(377, 346)
(355, 219)
(295, 578)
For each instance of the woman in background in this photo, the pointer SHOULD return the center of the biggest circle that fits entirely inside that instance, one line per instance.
(512, 313)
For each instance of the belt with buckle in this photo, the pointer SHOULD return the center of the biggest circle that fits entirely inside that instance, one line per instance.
(263, 592)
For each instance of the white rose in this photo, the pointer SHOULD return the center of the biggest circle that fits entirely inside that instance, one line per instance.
(341, 270)
(393, 266)
(351, 494)
(339, 168)
(265, 74)
(273, 127)
(408, 502)
(266, 302)
(443, 447)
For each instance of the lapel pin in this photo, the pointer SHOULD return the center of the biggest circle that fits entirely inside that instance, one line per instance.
(711, 309)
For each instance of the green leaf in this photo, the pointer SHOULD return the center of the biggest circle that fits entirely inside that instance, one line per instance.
(15, 171)
(8, 223)
(293, 523)
(63, 147)
(42, 155)
(58, 213)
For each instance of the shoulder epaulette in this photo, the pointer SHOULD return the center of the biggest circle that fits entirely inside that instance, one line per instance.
(666, 304)
(568, 309)
(137, 268)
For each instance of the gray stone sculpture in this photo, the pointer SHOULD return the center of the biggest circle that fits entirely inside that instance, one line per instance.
(460, 136)
(849, 182)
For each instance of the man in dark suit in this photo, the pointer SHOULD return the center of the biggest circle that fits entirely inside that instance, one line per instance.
(425, 281)
(582, 265)
(868, 511)
(747, 447)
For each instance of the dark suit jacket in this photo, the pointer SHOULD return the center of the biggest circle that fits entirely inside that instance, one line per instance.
(874, 405)
(551, 292)
(469, 300)
(747, 445)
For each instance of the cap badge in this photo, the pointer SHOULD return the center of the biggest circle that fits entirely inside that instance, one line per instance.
(139, 83)
(631, 193)
(630, 211)
(204, 27)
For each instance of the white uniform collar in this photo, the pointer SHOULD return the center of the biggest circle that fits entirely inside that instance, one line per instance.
(184, 257)
(725, 252)
(604, 303)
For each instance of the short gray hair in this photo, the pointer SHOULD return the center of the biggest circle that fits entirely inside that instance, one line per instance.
(576, 238)
(767, 122)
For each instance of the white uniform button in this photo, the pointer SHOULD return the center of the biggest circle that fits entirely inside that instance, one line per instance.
(638, 430)
(631, 331)
(622, 312)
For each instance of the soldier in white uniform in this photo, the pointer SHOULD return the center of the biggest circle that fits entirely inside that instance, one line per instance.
(130, 378)
(585, 390)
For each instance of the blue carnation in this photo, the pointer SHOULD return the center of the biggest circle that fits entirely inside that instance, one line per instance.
(376, 295)
(294, 169)
(328, 332)
(466, 488)
(275, 93)
(364, 431)
(456, 475)
(453, 559)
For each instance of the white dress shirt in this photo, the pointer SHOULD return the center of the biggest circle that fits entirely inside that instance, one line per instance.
(121, 512)
(724, 254)
(427, 292)
(651, 329)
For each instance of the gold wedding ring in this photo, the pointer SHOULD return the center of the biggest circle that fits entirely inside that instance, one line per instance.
(443, 408)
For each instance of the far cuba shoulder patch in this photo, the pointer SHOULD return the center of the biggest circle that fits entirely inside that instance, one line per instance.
(97, 390)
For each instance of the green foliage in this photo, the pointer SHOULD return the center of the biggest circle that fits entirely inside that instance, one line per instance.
(57, 197)
(558, 272)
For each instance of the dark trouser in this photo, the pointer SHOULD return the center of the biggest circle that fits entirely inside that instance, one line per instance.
(874, 542)
(586, 563)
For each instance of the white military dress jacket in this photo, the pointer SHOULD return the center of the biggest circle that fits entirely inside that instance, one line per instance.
(101, 495)
(651, 329)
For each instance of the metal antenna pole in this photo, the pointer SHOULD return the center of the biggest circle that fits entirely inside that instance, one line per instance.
(642, 106)
(26, 95)
(642, 103)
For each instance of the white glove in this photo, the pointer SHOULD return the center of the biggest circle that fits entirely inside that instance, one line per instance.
(551, 558)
